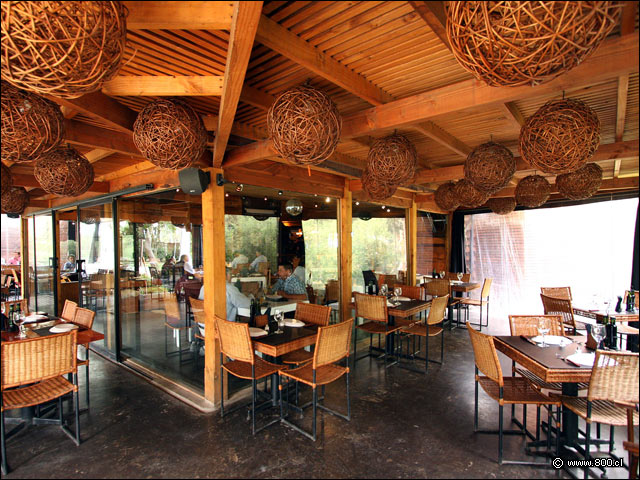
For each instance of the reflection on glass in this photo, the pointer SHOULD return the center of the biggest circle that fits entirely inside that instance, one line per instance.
(44, 263)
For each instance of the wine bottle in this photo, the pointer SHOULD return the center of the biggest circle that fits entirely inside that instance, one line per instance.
(619, 305)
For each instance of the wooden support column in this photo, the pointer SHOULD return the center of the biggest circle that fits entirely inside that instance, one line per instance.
(24, 257)
(213, 261)
(411, 228)
(344, 254)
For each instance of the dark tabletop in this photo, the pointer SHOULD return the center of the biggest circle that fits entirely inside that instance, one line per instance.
(545, 356)
(290, 334)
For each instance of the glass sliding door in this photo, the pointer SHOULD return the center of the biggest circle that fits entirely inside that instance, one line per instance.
(45, 263)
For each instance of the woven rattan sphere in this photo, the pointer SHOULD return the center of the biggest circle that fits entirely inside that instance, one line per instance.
(468, 195)
(581, 184)
(31, 125)
(502, 206)
(170, 134)
(375, 189)
(560, 137)
(446, 197)
(520, 43)
(66, 49)
(5, 178)
(392, 160)
(533, 191)
(304, 125)
(15, 200)
(489, 167)
(64, 172)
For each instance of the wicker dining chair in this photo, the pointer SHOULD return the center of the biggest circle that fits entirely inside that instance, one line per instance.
(24, 306)
(631, 445)
(431, 328)
(614, 379)
(557, 292)
(372, 309)
(69, 310)
(479, 302)
(332, 345)
(235, 343)
(197, 308)
(312, 314)
(562, 307)
(84, 317)
(173, 321)
(504, 390)
(33, 373)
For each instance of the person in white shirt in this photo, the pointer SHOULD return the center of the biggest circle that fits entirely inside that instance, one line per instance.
(260, 258)
(238, 259)
(298, 270)
(235, 300)
(186, 264)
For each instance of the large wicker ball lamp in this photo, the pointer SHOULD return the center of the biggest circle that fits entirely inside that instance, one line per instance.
(5, 178)
(560, 137)
(392, 160)
(170, 134)
(304, 125)
(31, 125)
(15, 200)
(526, 43)
(532, 191)
(63, 48)
(582, 183)
(468, 195)
(502, 206)
(446, 197)
(376, 190)
(64, 172)
(490, 167)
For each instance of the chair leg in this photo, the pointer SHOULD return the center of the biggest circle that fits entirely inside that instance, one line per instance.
(221, 387)
(587, 446)
(87, 378)
(611, 437)
(315, 408)
(500, 435)
(5, 464)
(442, 347)
(480, 322)
(475, 407)
(426, 352)
(348, 398)
(76, 405)
(253, 403)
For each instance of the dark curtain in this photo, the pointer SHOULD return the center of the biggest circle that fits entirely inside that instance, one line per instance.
(636, 255)
(457, 243)
(196, 235)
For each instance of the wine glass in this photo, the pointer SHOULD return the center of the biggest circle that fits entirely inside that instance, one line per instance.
(460, 275)
(598, 332)
(21, 328)
(543, 329)
(280, 319)
(384, 289)
(443, 274)
(397, 292)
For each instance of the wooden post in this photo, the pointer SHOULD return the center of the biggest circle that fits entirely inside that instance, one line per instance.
(345, 256)
(24, 258)
(411, 228)
(213, 261)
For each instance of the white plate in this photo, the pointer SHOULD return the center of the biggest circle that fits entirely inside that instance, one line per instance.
(587, 360)
(292, 322)
(391, 305)
(274, 297)
(404, 299)
(34, 318)
(63, 328)
(257, 332)
(456, 282)
(552, 340)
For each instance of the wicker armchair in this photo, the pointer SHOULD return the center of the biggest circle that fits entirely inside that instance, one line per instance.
(332, 345)
(431, 328)
(173, 321)
(557, 292)
(481, 302)
(69, 310)
(235, 343)
(33, 373)
(562, 307)
(24, 306)
(374, 309)
(504, 390)
(614, 379)
(84, 317)
(312, 314)
(631, 445)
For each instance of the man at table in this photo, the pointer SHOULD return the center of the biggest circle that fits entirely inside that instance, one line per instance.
(260, 258)
(70, 264)
(238, 259)
(288, 285)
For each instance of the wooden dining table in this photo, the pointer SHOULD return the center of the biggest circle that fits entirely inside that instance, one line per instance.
(41, 328)
(457, 290)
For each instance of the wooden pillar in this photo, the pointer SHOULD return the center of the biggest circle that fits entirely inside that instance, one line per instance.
(24, 258)
(213, 261)
(344, 255)
(411, 228)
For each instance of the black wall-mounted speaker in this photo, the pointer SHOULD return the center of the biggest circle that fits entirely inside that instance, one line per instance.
(194, 181)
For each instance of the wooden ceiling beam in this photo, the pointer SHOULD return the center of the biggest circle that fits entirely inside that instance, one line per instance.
(246, 16)
(98, 154)
(627, 26)
(179, 15)
(239, 129)
(79, 133)
(130, 170)
(164, 86)
(281, 40)
(512, 114)
(434, 15)
(256, 98)
(443, 137)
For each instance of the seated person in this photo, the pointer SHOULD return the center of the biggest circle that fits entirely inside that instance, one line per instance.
(288, 285)
(235, 300)
(298, 269)
(238, 259)
(260, 258)
(70, 264)
(186, 264)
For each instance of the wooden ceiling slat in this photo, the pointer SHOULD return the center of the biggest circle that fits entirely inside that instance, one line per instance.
(179, 15)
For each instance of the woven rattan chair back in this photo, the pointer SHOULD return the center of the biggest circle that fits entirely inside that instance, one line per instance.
(332, 289)
(315, 314)
(436, 312)
(414, 293)
(250, 288)
(486, 288)
(24, 306)
(389, 280)
(262, 267)
(36, 359)
(485, 355)
(371, 307)
(527, 325)
(614, 377)
(235, 341)
(84, 317)
(332, 343)
(559, 306)
(171, 308)
(438, 287)
(69, 310)
(557, 292)
(196, 305)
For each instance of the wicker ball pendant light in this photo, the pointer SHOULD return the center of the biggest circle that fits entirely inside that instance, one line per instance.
(533, 191)
(468, 195)
(375, 189)
(489, 167)
(446, 198)
(304, 125)
(526, 43)
(170, 134)
(502, 206)
(392, 160)
(63, 48)
(581, 184)
(560, 137)
(31, 125)
(5, 178)
(15, 200)
(64, 172)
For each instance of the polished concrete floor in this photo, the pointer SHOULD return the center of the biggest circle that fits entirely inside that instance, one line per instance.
(403, 424)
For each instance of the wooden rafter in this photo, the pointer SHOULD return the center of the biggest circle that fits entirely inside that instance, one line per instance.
(627, 26)
(246, 16)
(163, 86)
(512, 114)
(79, 133)
(288, 44)
(138, 167)
(179, 15)
(256, 98)
(434, 15)
(240, 129)
(97, 154)
(444, 138)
